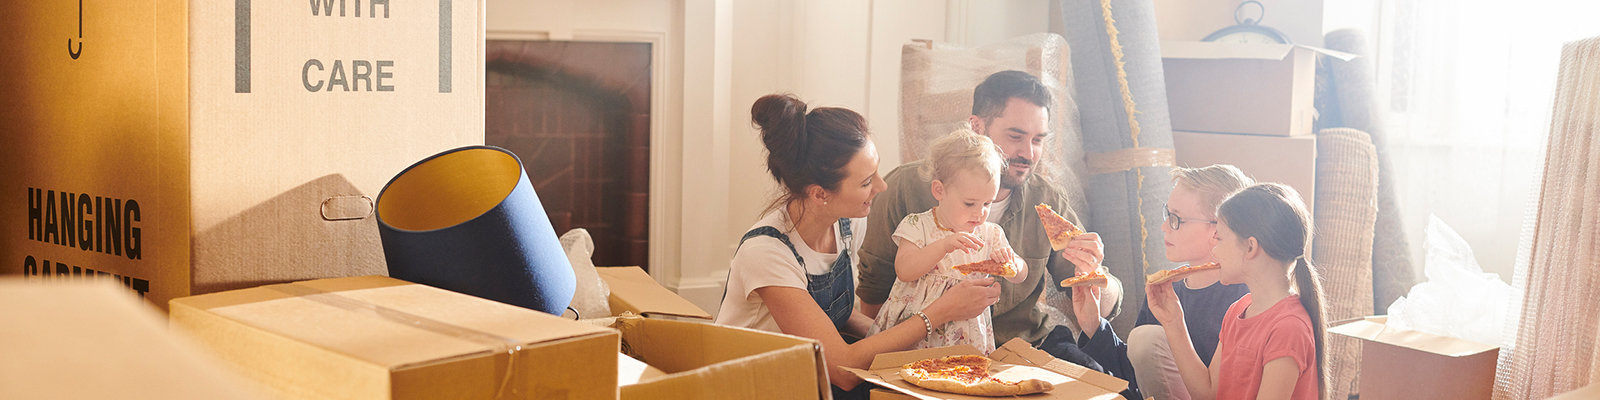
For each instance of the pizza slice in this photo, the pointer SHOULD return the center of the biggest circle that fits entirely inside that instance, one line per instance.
(1168, 275)
(991, 267)
(1059, 229)
(1095, 278)
(968, 375)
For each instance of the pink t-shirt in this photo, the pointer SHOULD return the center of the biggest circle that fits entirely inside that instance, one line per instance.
(1245, 345)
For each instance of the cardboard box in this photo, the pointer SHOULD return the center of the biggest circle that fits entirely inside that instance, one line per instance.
(375, 337)
(1585, 393)
(633, 290)
(694, 360)
(189, 146)
(94, 340)
(1288, 160)
(1257, 89)
(1407, 364)
(1015, 360)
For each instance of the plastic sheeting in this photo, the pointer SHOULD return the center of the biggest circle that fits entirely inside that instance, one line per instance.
(1552, 346)
(1122, 103)
(936, 83)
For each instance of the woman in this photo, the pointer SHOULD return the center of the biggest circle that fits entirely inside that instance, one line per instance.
(794, 271)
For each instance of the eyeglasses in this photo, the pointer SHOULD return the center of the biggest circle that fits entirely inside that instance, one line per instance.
(1174, 221)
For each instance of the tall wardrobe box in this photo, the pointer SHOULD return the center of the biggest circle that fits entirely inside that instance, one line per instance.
(186, 147)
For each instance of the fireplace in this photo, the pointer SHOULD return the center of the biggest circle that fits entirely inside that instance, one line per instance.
(578, 115)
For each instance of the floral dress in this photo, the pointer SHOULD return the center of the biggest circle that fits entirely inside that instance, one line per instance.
(906, 299)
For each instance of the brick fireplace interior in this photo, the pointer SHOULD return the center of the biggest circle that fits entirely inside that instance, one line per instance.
(578, 115)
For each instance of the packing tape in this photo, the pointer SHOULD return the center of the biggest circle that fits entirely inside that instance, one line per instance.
(1130, 158)
(497, 344)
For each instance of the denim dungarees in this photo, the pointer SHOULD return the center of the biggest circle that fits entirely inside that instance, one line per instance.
(834, 290)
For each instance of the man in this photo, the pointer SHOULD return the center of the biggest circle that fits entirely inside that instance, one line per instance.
(1012, 109)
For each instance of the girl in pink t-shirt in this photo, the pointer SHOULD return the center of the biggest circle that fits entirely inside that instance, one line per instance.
(1272, 340)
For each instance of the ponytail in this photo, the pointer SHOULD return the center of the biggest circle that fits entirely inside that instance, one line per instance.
(1309, 283)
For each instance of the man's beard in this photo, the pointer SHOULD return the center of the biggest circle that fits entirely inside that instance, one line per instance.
(1009, 181)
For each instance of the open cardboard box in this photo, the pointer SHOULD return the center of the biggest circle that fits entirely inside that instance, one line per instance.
(664, 358)
(1015, 360)
(375, 337)
(633, 290)
(1407, 364)
(1255, 89)
(693, 360)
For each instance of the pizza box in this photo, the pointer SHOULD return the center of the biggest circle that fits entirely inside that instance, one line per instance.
(1015, 360)
(95, 340)
(375, 337)
(1408, 364)
(187, 147)
(633, 290)
(1254, 89)
(695, 360)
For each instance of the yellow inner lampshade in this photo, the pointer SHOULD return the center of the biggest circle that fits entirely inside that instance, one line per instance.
(449, 189)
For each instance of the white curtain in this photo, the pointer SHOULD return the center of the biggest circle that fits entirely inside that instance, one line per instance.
(1467, 88)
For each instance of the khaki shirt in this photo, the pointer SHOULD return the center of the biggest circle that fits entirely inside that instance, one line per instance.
(1016, 314)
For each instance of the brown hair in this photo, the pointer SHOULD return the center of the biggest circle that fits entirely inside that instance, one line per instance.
(964, 150)
(1275, 215)
(990, 97)
(1213, 182)
(806, 148)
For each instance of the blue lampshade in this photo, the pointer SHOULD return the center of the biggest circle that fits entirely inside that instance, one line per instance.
(468, 220)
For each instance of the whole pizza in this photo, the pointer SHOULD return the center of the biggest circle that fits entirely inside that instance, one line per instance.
(968, 375)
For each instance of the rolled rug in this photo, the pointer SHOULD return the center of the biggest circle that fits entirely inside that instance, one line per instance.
(1122, 107)
(467, 220)
(1353, 104)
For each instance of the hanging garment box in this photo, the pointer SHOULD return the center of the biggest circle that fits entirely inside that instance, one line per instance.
(186, 146)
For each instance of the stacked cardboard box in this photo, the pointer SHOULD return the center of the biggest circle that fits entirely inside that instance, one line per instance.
(188, 146)
(1249, 105)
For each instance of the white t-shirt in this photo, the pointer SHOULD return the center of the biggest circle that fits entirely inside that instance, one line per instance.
(764, 261)
(997, 209)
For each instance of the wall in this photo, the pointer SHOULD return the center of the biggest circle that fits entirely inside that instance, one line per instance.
(1194, 19)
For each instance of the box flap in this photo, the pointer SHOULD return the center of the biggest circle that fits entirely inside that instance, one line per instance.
(1018, 351)
(886, 373)
(1216, 50)
(634, 290)
(386, 321)
(1376, 329)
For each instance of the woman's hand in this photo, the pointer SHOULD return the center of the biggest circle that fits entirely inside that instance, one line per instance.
(960, 241)
(1086, 306)
(1164, 304)
(1085, 252)
(965, 300)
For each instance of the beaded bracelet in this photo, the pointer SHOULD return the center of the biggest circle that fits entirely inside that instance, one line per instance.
(928, 323)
